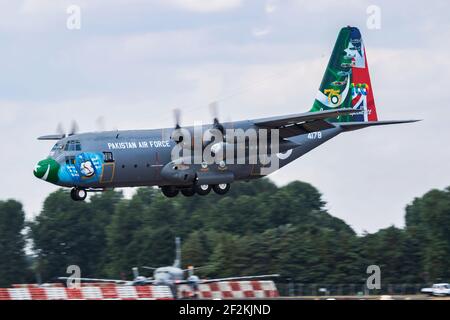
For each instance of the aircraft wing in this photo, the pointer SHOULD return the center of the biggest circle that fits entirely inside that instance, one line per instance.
(97, 280)
(52, 137)
(301, 123)
(196, 268)
(239, 278)
(149, 268)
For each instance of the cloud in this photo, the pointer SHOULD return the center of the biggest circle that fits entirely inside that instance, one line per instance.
(261, 32)
(205, 6)
(41, 6)
(270, 7)
(325, 5)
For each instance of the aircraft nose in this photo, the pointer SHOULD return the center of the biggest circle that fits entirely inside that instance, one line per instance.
(161, 279)
(47, 170)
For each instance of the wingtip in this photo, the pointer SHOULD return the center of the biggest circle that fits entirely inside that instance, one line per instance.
(411, 121)
(399, 121)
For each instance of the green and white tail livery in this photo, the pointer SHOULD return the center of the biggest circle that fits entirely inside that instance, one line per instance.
(346, 82)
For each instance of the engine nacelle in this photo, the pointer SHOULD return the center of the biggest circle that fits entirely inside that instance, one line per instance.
(214, 177)
(178, 173)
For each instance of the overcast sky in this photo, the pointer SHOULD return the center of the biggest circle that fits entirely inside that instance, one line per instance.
(133, 61)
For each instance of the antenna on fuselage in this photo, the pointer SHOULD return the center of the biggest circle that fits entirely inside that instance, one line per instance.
(177, 262)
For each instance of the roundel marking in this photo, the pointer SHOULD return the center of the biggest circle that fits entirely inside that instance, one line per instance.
(284, 155)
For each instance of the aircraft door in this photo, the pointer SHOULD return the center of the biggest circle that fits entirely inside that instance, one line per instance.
(156, 166)
(108, 167)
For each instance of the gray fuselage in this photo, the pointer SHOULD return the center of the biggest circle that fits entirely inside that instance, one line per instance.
(101, 160)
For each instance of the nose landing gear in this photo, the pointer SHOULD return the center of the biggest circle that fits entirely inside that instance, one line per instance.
(78, 194)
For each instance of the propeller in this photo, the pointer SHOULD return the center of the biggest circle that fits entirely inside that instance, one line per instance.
(214, 109)
(191, 269)
(60, 130)
(177, 117)
(100, 123)
(176, 135)
(73, 129)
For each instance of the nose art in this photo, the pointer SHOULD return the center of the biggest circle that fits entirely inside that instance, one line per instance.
(47, 170)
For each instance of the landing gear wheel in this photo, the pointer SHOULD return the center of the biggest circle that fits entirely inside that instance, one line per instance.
(78, 194)
(188, 192)
(169, 191)
(203, 189)
(221, 188)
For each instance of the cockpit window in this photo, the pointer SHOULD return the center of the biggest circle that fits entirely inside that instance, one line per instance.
(57, 148)
(73, 145)
(161, 271)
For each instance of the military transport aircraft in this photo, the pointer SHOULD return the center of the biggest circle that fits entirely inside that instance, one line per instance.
(170, 276)
(222, 152)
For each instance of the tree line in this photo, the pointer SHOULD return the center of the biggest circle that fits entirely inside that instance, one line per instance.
(256, 228)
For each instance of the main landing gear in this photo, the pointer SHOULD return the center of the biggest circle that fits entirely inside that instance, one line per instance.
(188, 192)
(78, 194)
(221, 188)
(170, 191)
(200, 189)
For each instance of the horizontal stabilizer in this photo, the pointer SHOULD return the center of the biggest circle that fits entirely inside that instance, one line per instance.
(349, 126)
(283, 121)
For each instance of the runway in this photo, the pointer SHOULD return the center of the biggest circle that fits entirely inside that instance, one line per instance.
(369, 297)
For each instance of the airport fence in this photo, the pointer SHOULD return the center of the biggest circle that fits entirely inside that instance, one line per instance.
(290, 289)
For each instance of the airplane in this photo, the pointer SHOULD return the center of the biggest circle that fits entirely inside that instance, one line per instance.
(170, 276)
(98, 161)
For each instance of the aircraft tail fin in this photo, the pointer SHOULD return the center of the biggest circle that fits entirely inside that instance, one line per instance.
(346, 82)
(177, 262)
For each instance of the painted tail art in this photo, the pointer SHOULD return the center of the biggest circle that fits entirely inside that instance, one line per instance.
(346, 82)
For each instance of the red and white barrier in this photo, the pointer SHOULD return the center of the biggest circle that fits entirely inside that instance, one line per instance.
(232, 290)
(110, 291)
(92, 292)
